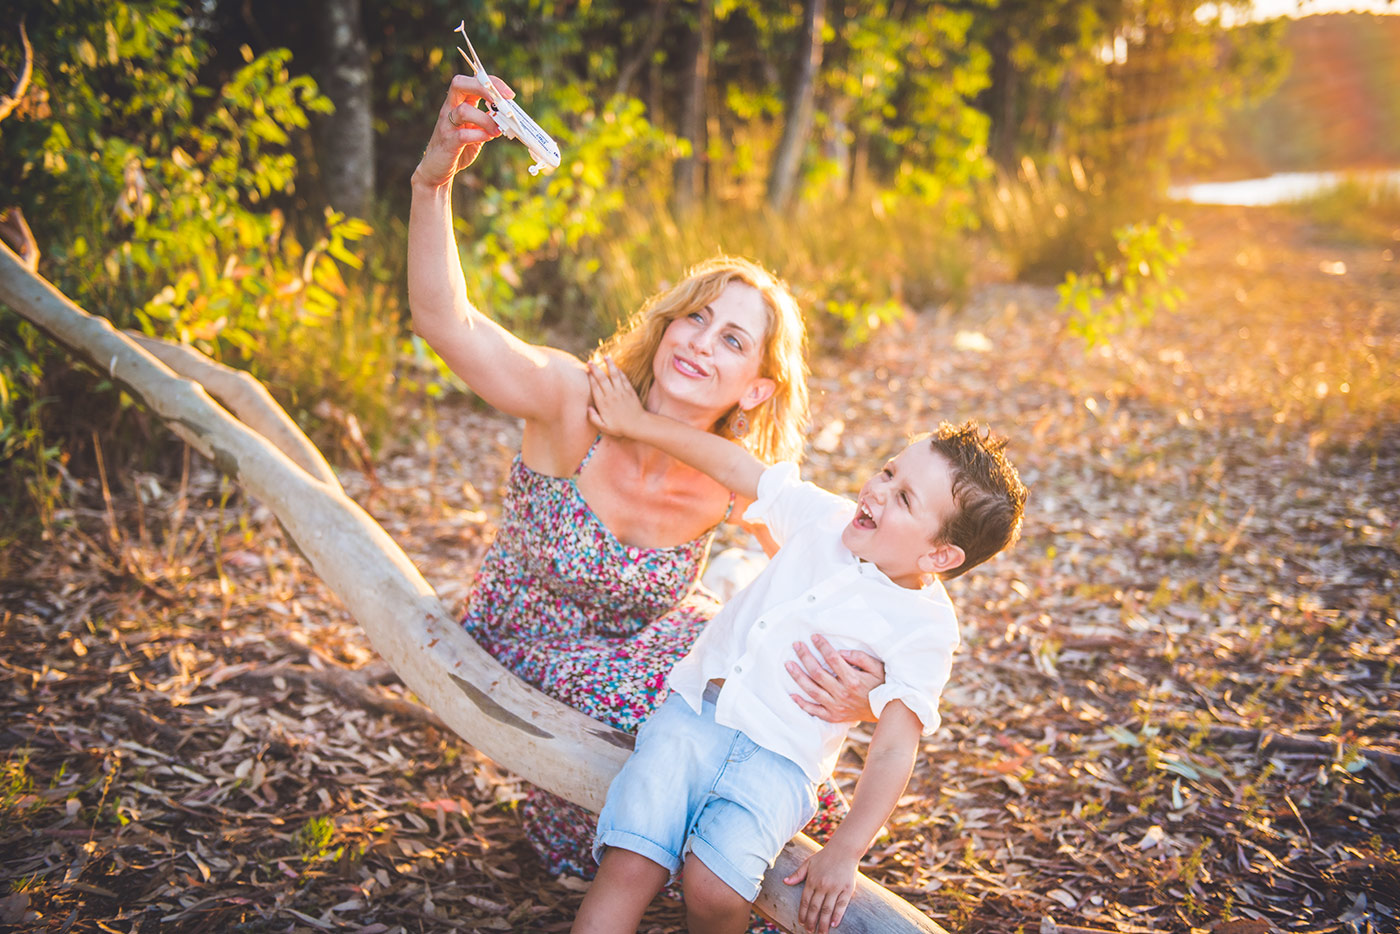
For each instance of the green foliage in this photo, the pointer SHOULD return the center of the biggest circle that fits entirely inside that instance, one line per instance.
(156, 203)
(1130, 286)
(16, 786)
(313, 840)
(527, 243)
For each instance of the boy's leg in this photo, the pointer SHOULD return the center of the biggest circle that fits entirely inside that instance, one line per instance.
(621, 891)
(711, 906)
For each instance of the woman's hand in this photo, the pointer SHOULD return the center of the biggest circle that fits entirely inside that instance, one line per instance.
(839, 690)
(461, 129)
(614, 408)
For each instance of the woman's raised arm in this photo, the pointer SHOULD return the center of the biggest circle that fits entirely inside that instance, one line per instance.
(527, 381)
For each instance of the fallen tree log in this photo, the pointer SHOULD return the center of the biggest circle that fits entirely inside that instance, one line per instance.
(524, 730)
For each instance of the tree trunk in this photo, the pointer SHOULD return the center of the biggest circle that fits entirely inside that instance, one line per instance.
(629, 70)
(690, 171)
(548, 743)
(788, 157)
(1002, 100)
(346, 137)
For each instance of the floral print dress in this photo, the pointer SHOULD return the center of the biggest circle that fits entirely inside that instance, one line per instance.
(593, 623)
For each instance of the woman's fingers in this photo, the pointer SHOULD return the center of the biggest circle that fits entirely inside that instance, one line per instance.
(467, 89)
(835, 662)
(461, 129)
(804, 683)
(865, 663)
(471, 125)
(815, 670)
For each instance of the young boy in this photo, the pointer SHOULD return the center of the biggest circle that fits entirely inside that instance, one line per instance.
(725, 771)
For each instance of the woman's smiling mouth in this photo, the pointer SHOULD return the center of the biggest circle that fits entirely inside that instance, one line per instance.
(687, 368)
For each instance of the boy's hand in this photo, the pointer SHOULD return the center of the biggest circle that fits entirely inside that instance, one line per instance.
(614, 408)
(831, 880)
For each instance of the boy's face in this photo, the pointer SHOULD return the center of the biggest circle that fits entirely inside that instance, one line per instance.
(900, 513)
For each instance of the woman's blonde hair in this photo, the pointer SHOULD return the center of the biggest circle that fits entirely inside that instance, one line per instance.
(775, 427)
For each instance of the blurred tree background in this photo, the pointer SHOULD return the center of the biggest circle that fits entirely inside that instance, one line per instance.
(234, 175)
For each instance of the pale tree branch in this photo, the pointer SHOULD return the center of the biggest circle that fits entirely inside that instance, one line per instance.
(15, 232)
(9, 102)
(246, 398)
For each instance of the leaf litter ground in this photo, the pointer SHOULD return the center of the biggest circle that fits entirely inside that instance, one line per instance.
(1176, 706)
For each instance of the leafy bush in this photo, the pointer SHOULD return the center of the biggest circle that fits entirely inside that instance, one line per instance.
(1129, 286)
(525, 242)
(153, 199)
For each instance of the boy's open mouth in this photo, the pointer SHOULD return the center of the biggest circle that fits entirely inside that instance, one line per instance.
(863, 519)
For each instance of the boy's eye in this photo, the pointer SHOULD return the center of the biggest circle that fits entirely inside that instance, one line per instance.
(904, 500)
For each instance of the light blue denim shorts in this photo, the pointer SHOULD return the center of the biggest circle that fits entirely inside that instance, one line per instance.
(693, 786)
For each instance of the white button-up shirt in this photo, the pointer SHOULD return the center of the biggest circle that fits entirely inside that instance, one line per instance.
(815, 585)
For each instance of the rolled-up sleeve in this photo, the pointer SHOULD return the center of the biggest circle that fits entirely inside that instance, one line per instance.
(916, 671)
(785, 502)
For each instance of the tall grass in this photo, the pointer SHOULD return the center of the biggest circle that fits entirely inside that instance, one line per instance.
(1059, 216)
(1359, 210)
(855, 264)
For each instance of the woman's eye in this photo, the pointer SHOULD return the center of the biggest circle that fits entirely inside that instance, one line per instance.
(734, 342)
(695, 316)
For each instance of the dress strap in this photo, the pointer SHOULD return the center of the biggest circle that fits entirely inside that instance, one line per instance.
(599, 437)
(728, 509)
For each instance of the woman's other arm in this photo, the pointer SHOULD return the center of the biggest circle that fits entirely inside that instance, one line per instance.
(520, 379)
(616, 410)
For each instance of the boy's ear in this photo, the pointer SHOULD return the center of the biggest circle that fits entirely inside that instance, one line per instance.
(759, 392)
(942, 558)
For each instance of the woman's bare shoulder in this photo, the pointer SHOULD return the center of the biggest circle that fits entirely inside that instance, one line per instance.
(555, 443)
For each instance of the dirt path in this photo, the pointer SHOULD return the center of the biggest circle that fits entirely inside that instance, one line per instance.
(1176, 702)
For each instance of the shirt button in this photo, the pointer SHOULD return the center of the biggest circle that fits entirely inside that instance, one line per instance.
(738, 669)
(811, 598)
(763, 624)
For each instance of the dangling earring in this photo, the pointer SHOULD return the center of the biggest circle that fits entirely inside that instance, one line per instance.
(738, 423)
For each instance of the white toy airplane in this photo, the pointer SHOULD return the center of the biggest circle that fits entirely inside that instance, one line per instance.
(512, 119)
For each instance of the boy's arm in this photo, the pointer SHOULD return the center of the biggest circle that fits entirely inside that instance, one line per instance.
(616, 410)
(830, 873)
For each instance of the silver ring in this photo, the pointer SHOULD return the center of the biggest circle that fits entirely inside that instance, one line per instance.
(451, 121)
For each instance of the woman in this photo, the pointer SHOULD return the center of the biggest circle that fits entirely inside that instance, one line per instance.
(588, 591)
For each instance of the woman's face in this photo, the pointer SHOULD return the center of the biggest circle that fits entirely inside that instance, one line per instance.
(710, 359)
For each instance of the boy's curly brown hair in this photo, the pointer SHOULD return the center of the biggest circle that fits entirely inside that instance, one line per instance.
(988, 495)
